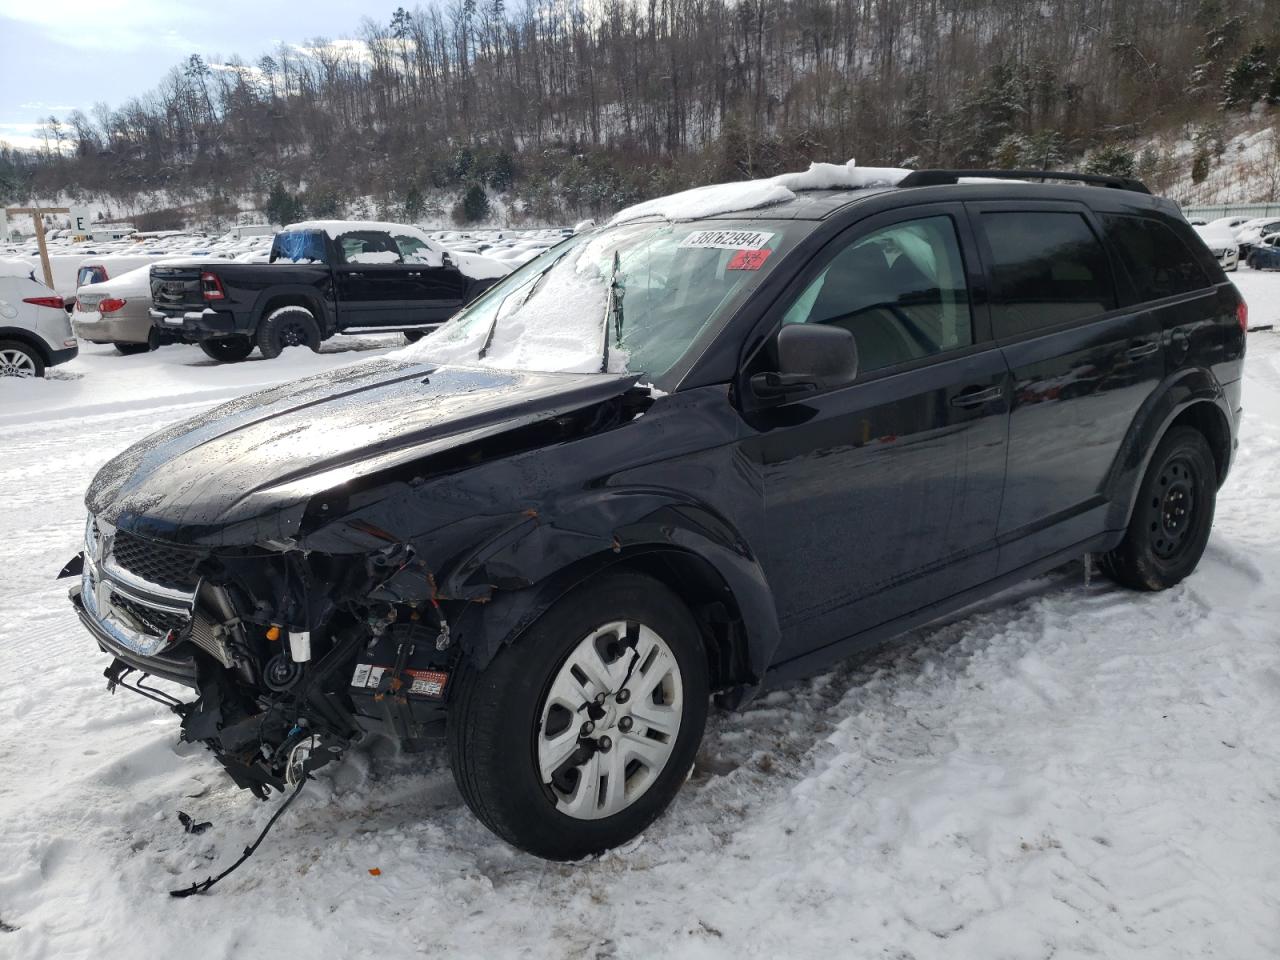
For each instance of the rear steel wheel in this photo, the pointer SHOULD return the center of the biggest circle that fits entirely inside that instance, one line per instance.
(227, 349)
(1173, 515)
(287, 327)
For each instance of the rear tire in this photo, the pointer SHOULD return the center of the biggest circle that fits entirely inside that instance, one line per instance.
(227, 349)
(288, 327)
(1172, 517)
(524, 757)
(19, 360)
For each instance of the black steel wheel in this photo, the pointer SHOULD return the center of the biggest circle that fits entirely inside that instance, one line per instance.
(288, 327)
(1172, 517)
(227, 349)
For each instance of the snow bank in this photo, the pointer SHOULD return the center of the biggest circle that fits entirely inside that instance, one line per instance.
(753, 194)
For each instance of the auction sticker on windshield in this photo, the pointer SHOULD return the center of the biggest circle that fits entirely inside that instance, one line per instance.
(727, 239)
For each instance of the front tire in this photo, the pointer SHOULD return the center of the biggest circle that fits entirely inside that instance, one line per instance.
(288, 327)
(1172, 516)
(131, 349)
(227, 349)
(548, 750)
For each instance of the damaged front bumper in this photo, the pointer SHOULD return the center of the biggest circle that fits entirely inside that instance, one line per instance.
(286, 678)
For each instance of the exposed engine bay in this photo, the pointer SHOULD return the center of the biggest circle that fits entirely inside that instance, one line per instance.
(293, 656)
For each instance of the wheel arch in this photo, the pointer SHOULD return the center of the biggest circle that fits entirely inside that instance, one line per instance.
(722, 584)
(1191, 397)
(274, 299)
(28, 339)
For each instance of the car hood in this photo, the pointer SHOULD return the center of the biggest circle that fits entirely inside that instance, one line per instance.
(244, 471)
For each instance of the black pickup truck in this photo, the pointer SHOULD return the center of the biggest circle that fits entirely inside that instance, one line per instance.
(323, 278)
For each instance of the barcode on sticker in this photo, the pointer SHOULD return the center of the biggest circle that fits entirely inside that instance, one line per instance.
(428, 683)
(727, 239)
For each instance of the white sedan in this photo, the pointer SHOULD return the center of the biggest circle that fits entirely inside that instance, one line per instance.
(1222, 242)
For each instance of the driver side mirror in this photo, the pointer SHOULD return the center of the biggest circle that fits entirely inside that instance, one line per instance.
(812, 358)
(446, 261)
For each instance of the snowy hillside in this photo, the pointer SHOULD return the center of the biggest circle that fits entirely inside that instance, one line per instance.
(1070, 770)
(1247, 170)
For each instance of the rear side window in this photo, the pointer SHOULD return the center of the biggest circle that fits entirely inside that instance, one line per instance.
(298, 246)
(1046, 269)
(1158, 261)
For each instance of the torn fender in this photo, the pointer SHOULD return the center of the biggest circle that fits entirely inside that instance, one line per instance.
(524, 572)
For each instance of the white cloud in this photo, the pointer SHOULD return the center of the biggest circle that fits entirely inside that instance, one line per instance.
(108, 27)
(24, 136)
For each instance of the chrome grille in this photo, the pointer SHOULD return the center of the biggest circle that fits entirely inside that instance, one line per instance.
(158, 623)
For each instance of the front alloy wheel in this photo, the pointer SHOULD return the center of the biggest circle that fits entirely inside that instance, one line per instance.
(579, 733)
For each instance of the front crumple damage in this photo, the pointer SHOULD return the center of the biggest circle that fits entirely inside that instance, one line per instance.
(380, 561)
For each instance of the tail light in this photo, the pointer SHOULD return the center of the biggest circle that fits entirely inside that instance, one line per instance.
(55, 302)
(111, 304)
(1242, 316)
(211, 287)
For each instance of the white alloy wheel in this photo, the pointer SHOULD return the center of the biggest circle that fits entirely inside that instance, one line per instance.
(15, 362)
(610, 720)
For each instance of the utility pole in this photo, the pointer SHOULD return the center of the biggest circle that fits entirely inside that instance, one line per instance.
(37, 214)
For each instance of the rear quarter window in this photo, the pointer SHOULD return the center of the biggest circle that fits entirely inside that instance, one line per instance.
(1158, 261)
(299, 246)
(1047, 268)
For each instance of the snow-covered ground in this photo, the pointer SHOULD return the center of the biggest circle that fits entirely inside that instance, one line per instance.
(1070, 770)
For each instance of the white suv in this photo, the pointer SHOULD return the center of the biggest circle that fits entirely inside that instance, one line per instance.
(35, 331)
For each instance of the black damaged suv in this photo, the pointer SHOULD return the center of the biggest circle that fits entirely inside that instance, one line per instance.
(669, 459)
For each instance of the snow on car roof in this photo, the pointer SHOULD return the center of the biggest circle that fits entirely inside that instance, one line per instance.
(752, 194)
(16, 268)
(336, 228)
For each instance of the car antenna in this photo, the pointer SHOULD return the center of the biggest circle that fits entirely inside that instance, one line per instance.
(612, 311)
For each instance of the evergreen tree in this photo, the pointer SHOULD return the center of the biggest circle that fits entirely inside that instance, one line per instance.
(1246, 81)
(1113, 161)
(475, 204)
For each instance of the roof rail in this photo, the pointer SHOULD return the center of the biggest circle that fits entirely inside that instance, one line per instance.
(932, 178)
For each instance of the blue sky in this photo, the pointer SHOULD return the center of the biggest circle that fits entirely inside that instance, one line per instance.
(60, 55)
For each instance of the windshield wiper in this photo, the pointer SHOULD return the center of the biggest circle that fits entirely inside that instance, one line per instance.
(497, 314)
(612, 312)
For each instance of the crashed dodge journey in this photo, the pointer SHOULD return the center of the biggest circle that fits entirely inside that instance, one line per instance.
(713, 445)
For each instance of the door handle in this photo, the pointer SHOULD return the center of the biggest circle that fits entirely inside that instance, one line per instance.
(976, 396)
(1142, 349)
(354, 273)
(415, 273)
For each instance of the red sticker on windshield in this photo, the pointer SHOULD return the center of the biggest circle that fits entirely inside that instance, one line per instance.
(749, 259)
